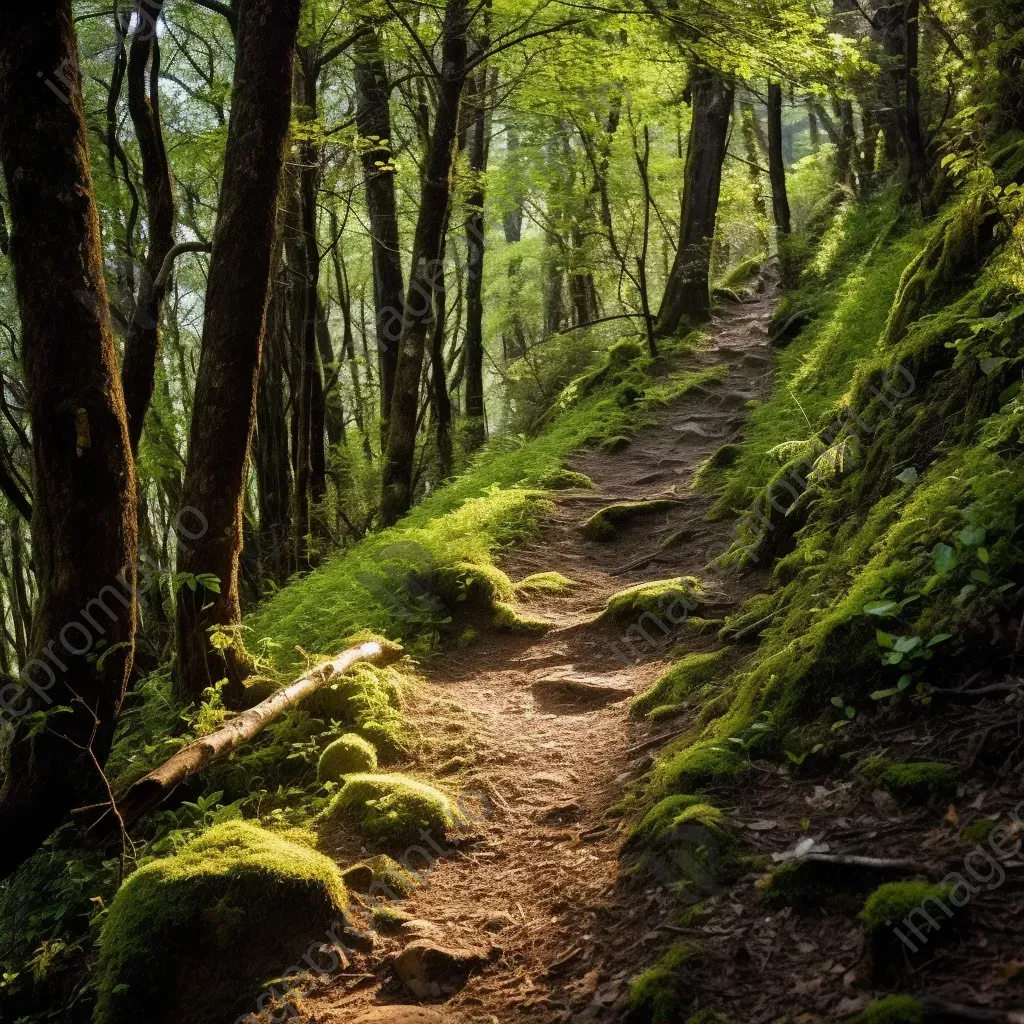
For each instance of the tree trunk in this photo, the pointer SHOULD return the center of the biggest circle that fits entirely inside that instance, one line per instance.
(554, 304)
(236, 303)
(748, 115)
(813, 128)
(419, 302)
(84, 528)
(476, 426)
(373, 118)
(142, 343)
(439, 377)
(776, 161)
(513, 339)
(687, 298)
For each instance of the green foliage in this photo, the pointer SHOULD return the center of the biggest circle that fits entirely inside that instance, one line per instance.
(893, 1009)
(546, 583)
(605, 523)
(564, 480)
(915, 782)
(684, 678)
(978, 831)
(347, 755)
(889, 904)
(390, 811)
(238, 895)
(508, 619)
(655, 995)
(674, 598)
(695, 767)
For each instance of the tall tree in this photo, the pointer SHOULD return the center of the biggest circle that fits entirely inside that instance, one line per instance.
(84, 533)
(373, 119)
(450, 77)
(687, 298)
(233, 324)
(776, 160)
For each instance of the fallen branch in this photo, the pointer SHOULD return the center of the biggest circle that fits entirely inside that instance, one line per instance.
(939, 1011)
(155, 788)
(981, 693)
(884, 864)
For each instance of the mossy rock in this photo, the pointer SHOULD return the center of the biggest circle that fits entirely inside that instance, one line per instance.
(611, 445)
(741, 274)
(685, 677)
(672, 600)
(367, 693)
(546, 583)
(508, 619)
(606, 523)
(657, 995)
(678, 809)
(347, 755)
(197, 936)
(915, 782)
(905, 921)
(565, 480)
(391, 811)
(707, 763)
(473, 584)
(978, 831)
(387, 920)
(390, 879)
(892, 1010)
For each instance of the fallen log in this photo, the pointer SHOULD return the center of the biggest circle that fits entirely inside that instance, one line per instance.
(156, 788)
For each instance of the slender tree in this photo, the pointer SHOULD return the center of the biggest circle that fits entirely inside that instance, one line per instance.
(84, 533)
(236, 302)
(418, 308)
(687, 298)
(776, 160)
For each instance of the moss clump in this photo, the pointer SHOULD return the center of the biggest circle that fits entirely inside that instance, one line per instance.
(565, 480)
(890, 904)
(546, 583)
(604, 525)
(707, 1017)
(660, 817)
(704, 764)
(509, 619)
(390, 811)
(347, 755)
(915, 782)
(892, 1010)
(388, 920)
(655, 996)
(979, 831)
(810, 884)
(741, 273)
(238, 896)
(684, 678)
(368, 700)
(390, 879)
(673, 599)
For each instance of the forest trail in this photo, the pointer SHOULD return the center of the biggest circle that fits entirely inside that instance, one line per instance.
(542, 882)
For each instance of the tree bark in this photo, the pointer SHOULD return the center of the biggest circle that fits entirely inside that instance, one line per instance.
(142, 343)
(476, 426)
(776, 161)
(687, 298)
(419, 302)
(373, 119)
(513, 339)
(236, 303)
(84, 529)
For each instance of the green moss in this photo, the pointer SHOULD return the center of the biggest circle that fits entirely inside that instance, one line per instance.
(238, 896)
(387, 920)
(892, 1010)
(683, 679)
(564, 480)
(347, 755)
(655, 997)
(707, 1017)
(672, 599)
(509, 619)
(661, 817)
(390, 811)
(606, 523)
(913, 782)
(703, 764)
(546, 583)
(812, 885)
(979, 831)
(889, 904)
(741, 274)
(390, 879)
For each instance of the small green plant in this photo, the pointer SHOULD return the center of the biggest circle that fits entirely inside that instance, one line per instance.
(849, 713)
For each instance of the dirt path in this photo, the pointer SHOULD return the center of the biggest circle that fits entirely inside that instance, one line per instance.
(543, 882)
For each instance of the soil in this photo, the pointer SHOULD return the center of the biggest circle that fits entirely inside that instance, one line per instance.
(540, 727)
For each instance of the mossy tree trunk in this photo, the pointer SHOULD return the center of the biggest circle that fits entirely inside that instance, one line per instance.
(84, 527)
(418, 307)
(236, 302)
(687, 298)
